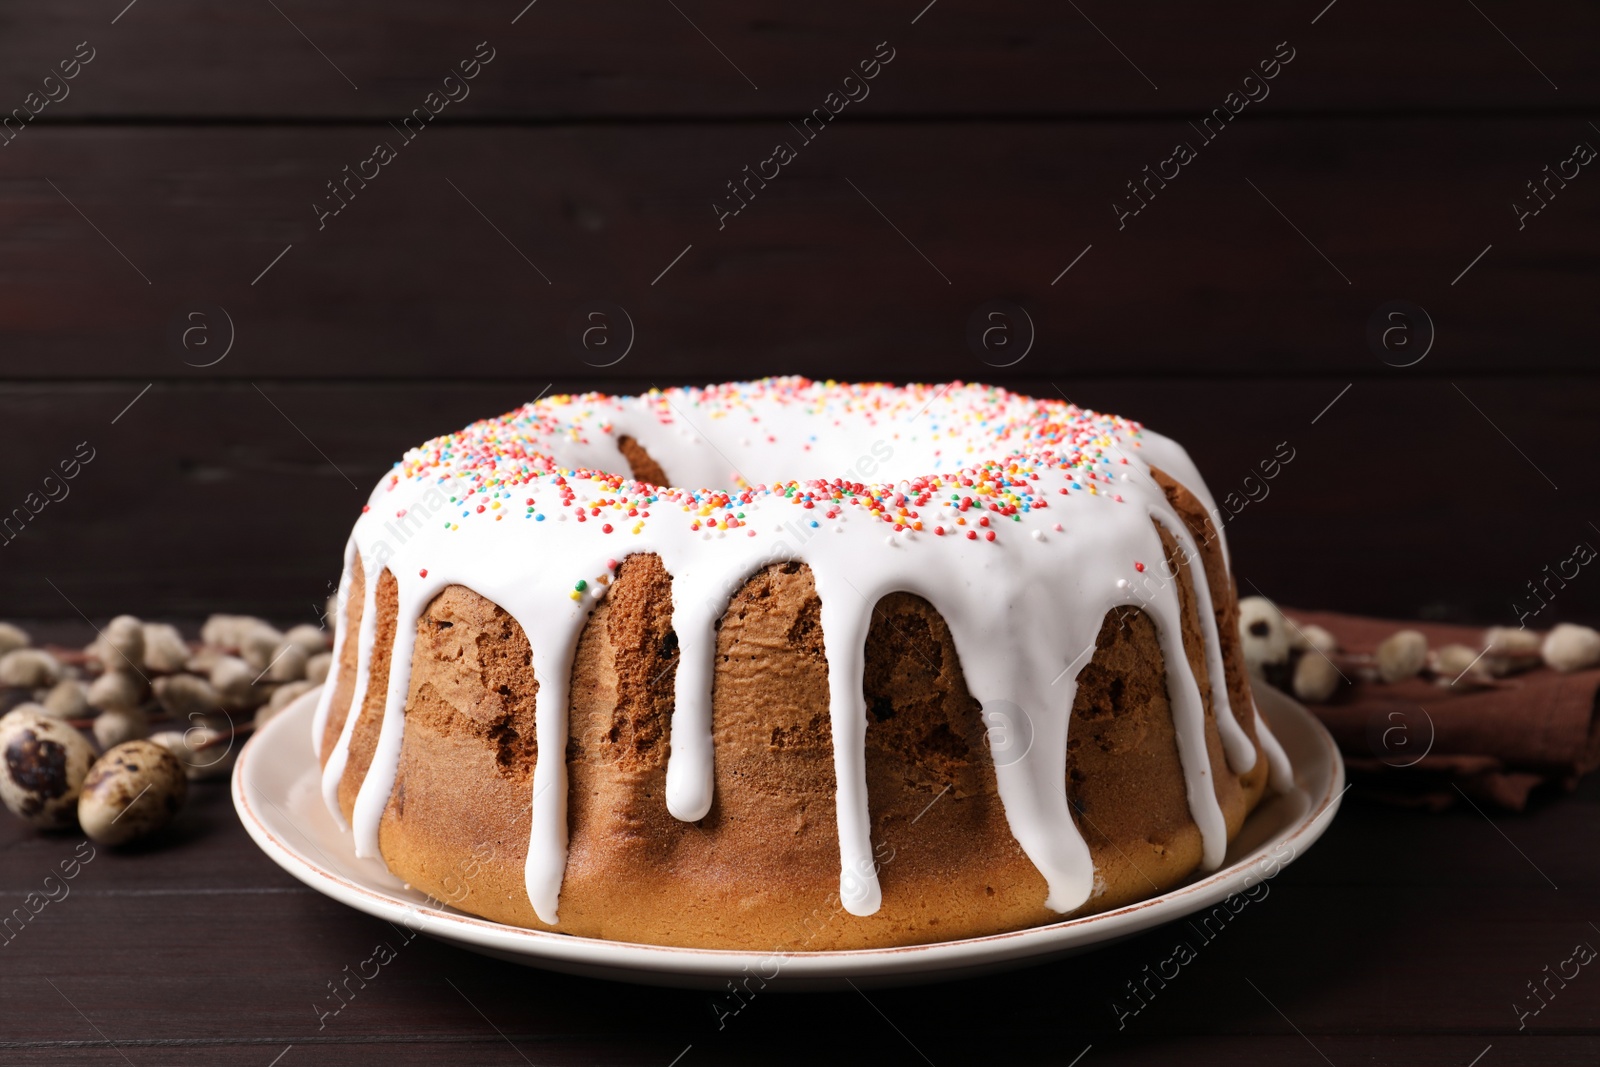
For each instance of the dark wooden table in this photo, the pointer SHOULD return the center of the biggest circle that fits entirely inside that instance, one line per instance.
(1391, 161)
(1401, 938)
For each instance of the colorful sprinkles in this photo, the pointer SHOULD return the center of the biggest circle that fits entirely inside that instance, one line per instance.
(493, 464)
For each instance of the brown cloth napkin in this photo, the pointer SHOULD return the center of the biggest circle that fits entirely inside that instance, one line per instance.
(1417, 743)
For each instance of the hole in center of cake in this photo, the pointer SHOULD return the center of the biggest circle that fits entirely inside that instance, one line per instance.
(767, 456)
(640, 463)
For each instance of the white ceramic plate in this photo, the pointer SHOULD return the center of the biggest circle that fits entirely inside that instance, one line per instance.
(276, 792)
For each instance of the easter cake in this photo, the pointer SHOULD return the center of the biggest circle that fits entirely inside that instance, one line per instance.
(911, 664)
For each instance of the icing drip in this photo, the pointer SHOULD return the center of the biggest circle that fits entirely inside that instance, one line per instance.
(1039, 519)
(694, 611)
(547, 847)
(1188, 721)
(1236, 744)
(844, 638)
(366, 637)
(1280, 772)
(319, 721)
(379, 781)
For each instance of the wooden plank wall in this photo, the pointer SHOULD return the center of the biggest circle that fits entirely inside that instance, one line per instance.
(184, 170)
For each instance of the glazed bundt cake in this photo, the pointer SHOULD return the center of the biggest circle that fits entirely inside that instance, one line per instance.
(933, 662)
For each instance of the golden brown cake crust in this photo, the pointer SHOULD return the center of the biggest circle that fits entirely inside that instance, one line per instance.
(761, 870)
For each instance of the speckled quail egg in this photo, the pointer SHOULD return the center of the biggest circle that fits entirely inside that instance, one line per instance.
(132, 791)
(44, 764)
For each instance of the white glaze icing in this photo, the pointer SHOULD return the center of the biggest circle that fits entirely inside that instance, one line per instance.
(1024, 599)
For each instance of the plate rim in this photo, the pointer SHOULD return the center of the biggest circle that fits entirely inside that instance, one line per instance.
(542, 947)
